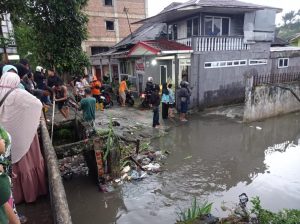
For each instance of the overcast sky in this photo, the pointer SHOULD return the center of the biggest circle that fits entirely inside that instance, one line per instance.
(155, 6)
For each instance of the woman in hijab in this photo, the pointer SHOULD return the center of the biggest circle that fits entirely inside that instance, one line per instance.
(165, 99)
(20, 115)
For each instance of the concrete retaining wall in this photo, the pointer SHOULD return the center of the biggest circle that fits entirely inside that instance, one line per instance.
(59, 204)
(267, 101)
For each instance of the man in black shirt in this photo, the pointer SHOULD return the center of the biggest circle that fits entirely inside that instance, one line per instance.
(52, 78)
(154, 103)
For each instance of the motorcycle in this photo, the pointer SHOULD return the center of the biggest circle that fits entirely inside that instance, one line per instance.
(129, 99)
(105, 98)
(145, 99)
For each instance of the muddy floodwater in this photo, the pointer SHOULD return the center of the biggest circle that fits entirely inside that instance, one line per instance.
(212, 158)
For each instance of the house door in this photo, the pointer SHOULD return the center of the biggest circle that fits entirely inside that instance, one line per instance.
(98, 74)
(163, 74)
(140, 82)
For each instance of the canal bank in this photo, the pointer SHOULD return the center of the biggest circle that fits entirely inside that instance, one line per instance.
(212, 158)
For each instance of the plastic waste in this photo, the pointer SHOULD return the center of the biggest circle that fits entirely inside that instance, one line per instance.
(135, 175)
(126, 169)
(152, 167)
(146, 161)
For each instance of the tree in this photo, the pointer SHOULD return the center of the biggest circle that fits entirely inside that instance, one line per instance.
(291, 25)
(56, 29)
(289, 17)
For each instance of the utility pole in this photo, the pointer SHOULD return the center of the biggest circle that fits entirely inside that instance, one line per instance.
(126, 12)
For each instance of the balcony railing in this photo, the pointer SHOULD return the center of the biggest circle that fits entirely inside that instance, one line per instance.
(209, 43)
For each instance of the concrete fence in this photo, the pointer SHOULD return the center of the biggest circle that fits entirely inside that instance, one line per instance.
(268, 100)
(59, 204)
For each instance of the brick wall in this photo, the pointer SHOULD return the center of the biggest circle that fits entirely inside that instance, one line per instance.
(98, 13)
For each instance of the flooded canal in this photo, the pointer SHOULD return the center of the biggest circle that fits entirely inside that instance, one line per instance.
(212, 158)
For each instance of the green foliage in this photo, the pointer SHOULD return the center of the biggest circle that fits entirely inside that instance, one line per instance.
(65, 134)
(290, 17)
(266, 217)
(112, 142)
(56, 30)
(27, 43)
(194, 212)
(291, 25)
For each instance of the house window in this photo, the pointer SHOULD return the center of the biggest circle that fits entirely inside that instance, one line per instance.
(98, 50)
(124, 67)
(222, 64)
(283, 62)
(110, 25)
(172, 32)
(216, 26)
(108, 2)
(193, 27)
(175, 32)
(258, 61)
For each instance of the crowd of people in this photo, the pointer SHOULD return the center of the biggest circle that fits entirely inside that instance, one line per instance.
(167, 99)
(21, 162)
(23, 95)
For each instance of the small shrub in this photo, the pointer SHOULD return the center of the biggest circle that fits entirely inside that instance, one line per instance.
(194, 212)
(286, 216)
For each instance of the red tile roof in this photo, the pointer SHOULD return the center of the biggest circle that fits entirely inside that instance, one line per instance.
(157, 46)
(166, 45)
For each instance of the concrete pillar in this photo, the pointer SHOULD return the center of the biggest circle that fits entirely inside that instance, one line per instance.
(101, 69)
(176, 71)
(248, 95)
(110, 70)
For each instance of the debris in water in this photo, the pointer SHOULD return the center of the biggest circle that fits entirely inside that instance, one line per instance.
(152, 167)
(258, 128)
(126, 169)
(188, 157)
(105, 205)
(73, 166)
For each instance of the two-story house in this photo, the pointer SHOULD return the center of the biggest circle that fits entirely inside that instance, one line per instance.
(210, 43)
(108, 24)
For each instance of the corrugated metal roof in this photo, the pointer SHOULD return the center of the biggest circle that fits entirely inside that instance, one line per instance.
(145, 32)
(202, 5)
(218, 3)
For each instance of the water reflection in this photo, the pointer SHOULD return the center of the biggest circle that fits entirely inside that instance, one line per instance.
(212, 159)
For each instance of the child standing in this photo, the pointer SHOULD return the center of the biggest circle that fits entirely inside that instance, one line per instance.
(154, 103)
(171, 101)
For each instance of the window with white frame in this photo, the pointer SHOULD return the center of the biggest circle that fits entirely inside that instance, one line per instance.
(222, 64)
(193, 27)
(216, 26)
(258, 61)
(283, 62)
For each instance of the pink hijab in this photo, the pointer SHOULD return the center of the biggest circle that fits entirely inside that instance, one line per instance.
(19, 115)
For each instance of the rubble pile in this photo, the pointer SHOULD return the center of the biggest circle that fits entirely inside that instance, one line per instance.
(73, 166)
(142, 165)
